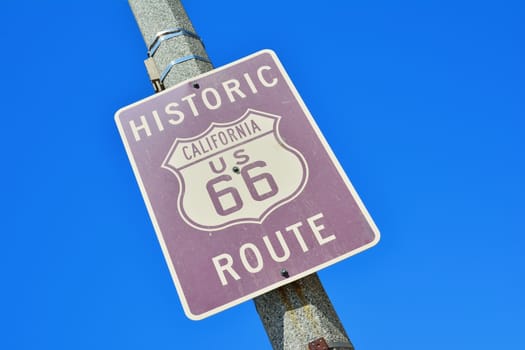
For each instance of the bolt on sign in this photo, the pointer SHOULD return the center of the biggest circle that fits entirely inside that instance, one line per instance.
(243, 191)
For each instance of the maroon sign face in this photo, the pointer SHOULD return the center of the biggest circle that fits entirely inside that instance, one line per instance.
(240, 184)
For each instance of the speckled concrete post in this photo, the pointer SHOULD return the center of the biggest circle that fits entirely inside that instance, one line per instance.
(293, 315)
(298, 313)
(155, 16)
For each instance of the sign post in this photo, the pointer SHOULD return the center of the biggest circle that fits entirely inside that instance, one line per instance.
(245, 195)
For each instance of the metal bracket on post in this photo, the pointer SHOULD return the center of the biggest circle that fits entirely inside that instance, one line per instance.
(153, 73)
(162, 36)
(157, 79)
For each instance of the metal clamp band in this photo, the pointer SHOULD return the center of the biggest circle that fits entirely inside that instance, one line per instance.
(181, 60)
(169, 34)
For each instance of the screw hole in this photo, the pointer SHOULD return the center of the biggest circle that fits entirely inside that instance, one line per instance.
(285, 273)
(236, 170)
(196, 85)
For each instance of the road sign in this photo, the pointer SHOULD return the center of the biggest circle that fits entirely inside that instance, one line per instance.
(243, 191)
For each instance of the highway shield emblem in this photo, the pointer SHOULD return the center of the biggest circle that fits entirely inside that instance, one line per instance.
(235, 172)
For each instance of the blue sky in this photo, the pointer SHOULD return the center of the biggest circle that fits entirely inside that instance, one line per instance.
(422, 102)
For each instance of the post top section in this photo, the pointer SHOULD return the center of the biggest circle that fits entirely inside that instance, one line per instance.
(154, 16)
(171, 41)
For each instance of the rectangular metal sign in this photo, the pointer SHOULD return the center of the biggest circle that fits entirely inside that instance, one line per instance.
(244, 192)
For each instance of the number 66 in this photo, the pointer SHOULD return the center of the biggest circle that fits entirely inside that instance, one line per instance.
(250, 180)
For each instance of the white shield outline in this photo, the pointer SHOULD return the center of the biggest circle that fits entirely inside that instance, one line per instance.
(265, 213)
